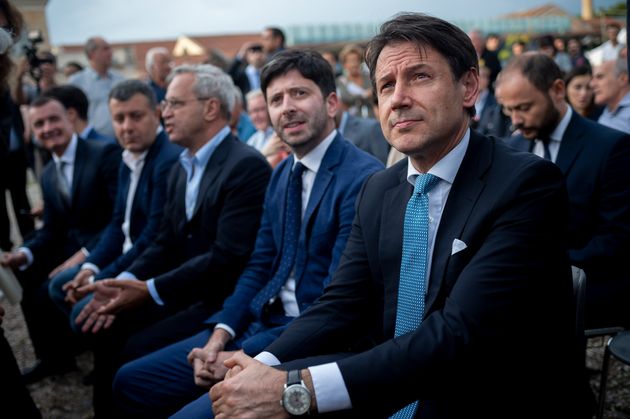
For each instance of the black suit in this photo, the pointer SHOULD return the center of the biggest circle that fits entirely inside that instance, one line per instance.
(195, 263)
(492, 121)
(67, 228)
(478, 350)
(595, 161)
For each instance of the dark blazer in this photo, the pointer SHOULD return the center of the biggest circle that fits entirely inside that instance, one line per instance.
(93, 134)
(200, 259)
(366, 134)
(488, 307)
(93, 192)
(146, 210)
(325, 229)
(595, 161)
(492, 121)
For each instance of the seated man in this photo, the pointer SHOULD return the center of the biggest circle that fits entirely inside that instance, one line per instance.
(78, 186)
(214, 200)
(309, 208)
(455, 267)
(148, 157)
(76, 103)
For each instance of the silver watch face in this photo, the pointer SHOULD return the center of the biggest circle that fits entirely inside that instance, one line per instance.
(296, 399)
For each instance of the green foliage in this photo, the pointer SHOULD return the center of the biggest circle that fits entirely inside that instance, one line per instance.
(617, 9)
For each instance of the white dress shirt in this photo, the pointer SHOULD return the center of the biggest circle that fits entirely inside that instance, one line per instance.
(555, 137)
(330, 389)
(311, 161)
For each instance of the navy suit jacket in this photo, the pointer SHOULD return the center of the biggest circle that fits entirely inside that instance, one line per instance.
(488, 306)
(366, 133)
(146, 210)
(324, 232)
(200, 259)
(93, 192)
(492, 120)
(93, 134)
(595, 161)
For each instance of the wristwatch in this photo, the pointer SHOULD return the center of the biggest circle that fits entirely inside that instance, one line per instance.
(296, 399)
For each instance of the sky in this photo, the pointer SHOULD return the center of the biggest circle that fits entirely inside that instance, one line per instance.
(73, 21)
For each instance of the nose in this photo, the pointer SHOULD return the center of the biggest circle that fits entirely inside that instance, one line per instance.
(516, 117)
(288, 105)
(399, 98)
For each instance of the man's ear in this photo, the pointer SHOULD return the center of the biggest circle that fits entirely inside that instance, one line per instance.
(211, 109)
(332, 104)
(470, 85)
(73, 115)
(557, 91)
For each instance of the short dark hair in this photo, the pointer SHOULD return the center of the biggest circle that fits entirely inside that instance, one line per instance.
(125, 89)
(310, 64)
(581, 70)
(539, 69)
(277, 33)
(42, 100)
(425, 31)
(71, 97)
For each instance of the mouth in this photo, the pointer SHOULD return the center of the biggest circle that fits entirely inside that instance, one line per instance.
(293, 126)
(405, 123)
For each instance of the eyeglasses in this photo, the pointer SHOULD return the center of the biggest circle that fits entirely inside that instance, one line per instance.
(178, 104)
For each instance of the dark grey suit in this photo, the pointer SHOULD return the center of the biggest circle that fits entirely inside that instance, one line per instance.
(366, 134)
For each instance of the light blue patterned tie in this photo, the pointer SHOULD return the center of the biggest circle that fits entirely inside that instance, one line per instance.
(413, 266)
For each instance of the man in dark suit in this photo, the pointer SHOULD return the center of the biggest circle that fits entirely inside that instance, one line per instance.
(594, 160)
(365, 133)
(76, 104)
(78, 188)
(271, 291)
(148, 157)
(489, 118)
(487, 237)
(212, 211)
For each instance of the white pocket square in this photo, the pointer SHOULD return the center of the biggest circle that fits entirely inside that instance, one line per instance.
(458, 246)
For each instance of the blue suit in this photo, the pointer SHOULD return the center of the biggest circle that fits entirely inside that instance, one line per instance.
(595, 160)
(145, 219)
(94, 135)
(325, 229)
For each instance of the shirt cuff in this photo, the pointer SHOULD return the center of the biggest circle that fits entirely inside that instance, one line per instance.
(330, 389)
(267, 358)
(126, 275)
(92, 267)
(226, 328)
(153, 292)
(29, 257)
(85, 251)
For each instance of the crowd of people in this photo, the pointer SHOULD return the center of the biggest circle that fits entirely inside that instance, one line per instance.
(229, 242)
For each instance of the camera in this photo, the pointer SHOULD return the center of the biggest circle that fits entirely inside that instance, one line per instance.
(33, 39)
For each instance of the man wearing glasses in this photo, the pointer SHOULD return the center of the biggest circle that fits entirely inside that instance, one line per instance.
(211, 215)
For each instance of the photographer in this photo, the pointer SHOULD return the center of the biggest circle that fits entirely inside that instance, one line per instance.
(42, 69)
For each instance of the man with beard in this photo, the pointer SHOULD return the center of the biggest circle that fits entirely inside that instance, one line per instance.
(594, 160)
(309, 208)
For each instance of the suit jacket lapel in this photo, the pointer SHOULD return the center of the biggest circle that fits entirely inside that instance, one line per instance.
(213, 170)
(462, 197)
(393, 210)
(322, 179)
(79, 167)
(571, 144)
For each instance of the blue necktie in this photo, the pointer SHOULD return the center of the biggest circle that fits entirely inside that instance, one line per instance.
(290, 238)
(413, 267)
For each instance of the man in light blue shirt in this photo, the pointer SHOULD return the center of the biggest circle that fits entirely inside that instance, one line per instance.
(96, 80)
(611, 87)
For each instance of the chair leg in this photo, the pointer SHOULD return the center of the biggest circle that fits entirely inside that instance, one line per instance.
(603, 381)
